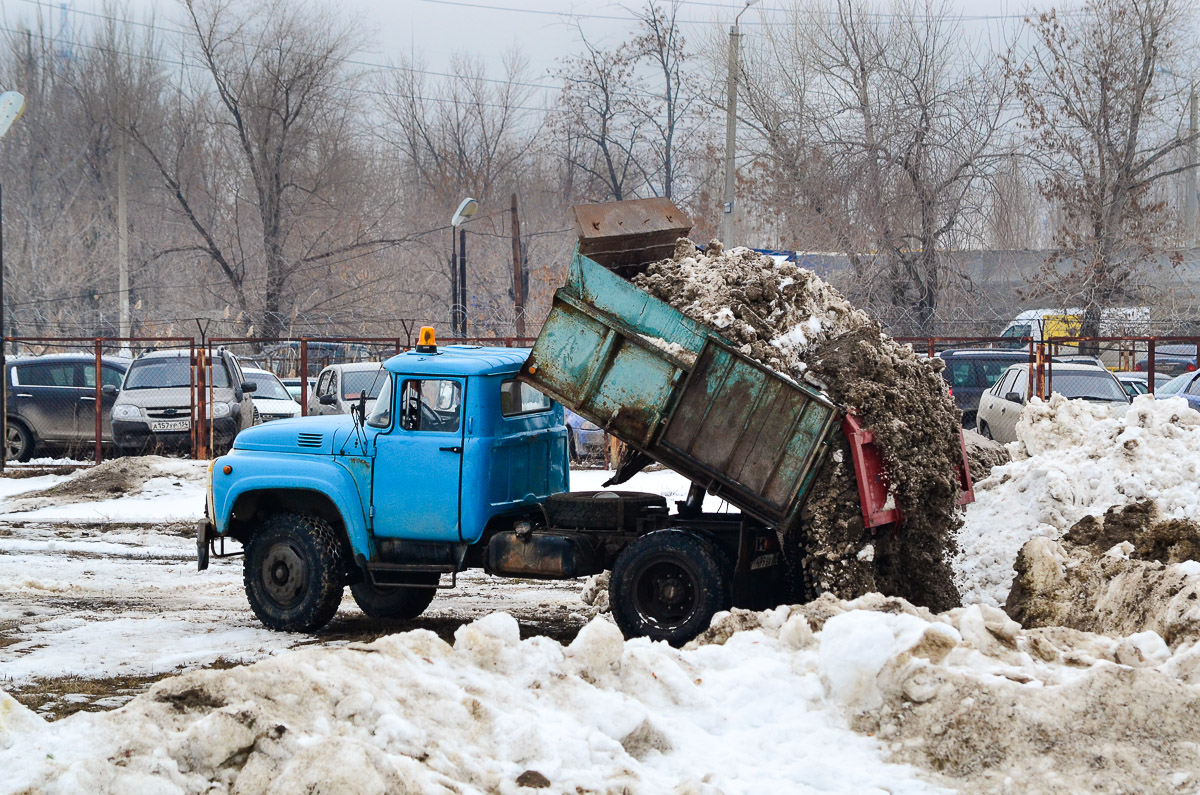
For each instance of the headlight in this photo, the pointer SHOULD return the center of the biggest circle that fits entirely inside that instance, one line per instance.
(220, 410)
(126, 411)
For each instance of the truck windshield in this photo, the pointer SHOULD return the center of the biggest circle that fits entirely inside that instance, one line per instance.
(1017, 331)
(381, 414)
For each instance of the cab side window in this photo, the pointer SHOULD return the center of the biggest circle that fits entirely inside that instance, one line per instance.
(431, 404)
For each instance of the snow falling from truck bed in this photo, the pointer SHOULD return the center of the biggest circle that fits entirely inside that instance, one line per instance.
(787, 318)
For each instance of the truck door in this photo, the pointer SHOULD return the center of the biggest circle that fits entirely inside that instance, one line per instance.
(418, 463)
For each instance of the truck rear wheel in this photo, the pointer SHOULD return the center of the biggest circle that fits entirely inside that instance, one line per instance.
(401, 603)
(294, 572)
(667, 585)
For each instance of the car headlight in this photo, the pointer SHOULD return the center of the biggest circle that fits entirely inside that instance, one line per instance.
(220, 410)
(126, 411)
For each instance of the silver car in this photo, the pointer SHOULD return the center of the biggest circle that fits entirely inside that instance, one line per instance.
(340, 385)
(1000, 407)
(153, 409)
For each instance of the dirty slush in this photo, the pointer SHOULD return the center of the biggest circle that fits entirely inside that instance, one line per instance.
(790, 320)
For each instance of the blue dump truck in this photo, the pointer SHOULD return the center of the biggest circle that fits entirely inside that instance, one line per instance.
(462, 463)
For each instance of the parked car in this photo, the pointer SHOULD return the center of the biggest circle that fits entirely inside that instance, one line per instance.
(1169, 360)
(971, 371)
(52, 403)
(153, 410)
(271, 398)
(1000, 406)
(1139, 383)
(340, 385)
(585, 440)
(295, 386)
(1184, 385)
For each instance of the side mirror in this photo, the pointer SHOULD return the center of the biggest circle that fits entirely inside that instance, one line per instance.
(1013, 397)
(249, 386)
(109, 390)
(328, 400)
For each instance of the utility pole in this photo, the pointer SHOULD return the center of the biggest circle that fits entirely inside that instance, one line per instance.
(123, 250)
(518, 272)
(1193, 201)
(729, 202)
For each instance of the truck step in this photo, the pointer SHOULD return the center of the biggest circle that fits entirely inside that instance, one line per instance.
(392, 574)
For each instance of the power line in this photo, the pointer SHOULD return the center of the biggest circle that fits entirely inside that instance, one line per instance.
(187, 32)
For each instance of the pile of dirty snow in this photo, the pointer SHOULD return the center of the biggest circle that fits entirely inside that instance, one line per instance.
(790, 320)
(1071, 460)
(874, 695)
(1129, 572)
(126, 489)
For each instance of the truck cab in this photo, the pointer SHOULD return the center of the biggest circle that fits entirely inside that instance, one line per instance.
(454, 450)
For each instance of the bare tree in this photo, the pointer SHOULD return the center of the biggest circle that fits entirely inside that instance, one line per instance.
(888, 124)
(266, 170)
(597, 122)
(1105, 114)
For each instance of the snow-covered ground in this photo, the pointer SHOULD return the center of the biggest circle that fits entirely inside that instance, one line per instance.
(480, 695)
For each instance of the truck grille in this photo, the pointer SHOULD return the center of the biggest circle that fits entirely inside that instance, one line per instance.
(309, 439)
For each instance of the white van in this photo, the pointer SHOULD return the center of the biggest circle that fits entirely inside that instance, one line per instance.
(1044, 324)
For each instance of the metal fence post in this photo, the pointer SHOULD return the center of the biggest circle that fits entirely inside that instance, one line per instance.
(201, 392)
(1150, 365)
(99, 404)
(304, 376)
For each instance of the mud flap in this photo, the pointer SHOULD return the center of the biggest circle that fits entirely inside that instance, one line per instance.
(202, 545)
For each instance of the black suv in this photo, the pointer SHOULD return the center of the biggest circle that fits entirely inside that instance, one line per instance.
(52, 403)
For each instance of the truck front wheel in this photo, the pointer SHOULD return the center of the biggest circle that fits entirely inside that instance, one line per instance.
(294, 572)
(402, 603)
(667, 585)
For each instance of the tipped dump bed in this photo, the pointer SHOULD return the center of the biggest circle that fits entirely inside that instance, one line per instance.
(680, 393)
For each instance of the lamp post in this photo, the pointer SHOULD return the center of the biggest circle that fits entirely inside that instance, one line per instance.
(730, 198)
(12, 105)
(458, 271)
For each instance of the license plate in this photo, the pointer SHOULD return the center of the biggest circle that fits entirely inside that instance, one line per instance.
(171, 425)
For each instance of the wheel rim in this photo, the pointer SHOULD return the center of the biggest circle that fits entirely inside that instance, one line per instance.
(284, 575)
(666, 593)
(14, 442)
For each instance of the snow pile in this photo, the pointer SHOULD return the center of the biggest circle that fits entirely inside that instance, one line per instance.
(1071, 459)
(763, 702)
(774, 310)
(492, 713)
(103, 493)
(1129, 572)
(790, 320)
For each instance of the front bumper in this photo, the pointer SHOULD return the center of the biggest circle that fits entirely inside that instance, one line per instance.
(135, 435)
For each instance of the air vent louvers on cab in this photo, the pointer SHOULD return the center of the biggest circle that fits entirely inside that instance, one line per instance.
(309, 439)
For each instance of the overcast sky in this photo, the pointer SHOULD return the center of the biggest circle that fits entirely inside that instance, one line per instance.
(545, 30)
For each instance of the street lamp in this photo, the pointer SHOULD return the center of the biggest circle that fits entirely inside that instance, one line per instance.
(12, 105)
(458, 270)
(731, 128)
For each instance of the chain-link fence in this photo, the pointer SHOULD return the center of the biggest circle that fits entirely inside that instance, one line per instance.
(73, 400)
(178, 395)
(66, 398)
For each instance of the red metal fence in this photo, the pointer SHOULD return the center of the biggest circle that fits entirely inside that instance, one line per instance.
(61, 391)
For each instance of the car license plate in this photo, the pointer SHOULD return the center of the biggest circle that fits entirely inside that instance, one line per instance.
(171, 425)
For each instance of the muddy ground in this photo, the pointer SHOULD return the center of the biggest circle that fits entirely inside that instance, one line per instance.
(96, 614)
